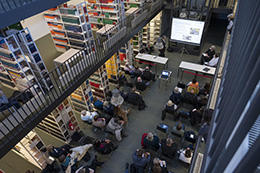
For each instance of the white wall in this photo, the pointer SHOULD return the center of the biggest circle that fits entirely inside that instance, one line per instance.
(37, 26)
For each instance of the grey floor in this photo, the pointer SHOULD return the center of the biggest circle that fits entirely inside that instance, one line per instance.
(139, 121)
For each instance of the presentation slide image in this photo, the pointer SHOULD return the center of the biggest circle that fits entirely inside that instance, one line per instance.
(187, 30)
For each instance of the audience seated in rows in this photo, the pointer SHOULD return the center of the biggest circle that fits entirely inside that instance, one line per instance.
(159, 166)
(185, 155)
(116, 127)
(208, 55)
(176, 96)
(140, 160)
(147, 75)
(104, 146)
(151, 142)
(169, 147)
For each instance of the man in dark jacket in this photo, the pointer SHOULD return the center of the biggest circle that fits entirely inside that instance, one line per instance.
(208, 55)
(140, 160)
(148, 75)
(176, 96)
(169, 148)
(151, 142)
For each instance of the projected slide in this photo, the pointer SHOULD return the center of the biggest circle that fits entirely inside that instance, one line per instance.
(187, 30)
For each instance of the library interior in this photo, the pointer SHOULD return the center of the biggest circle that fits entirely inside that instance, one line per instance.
(129, 86)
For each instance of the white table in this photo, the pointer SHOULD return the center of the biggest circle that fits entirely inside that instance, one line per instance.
(153, 58)
(197, 68)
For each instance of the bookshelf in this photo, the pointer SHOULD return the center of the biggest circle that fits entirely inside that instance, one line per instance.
(29, 149)
(155, 28)
(112, 68)
(69, 26)
(146, 35)
(137, 42)
(82, 98)
(103, 12)
(21, 64)
(99, 83)
(133, 4)
(57, 122)
(126, 54)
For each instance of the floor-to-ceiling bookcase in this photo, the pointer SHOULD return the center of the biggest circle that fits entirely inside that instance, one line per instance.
(155, 28)
(69, 26)
(29, 149)
(21, 63)
(99, 83)
(103, 12)
(57, 122)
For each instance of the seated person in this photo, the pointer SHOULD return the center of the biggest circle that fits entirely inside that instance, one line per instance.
(148, 75)
(208, 55)
(104, 146)
(138, 72)
(195, 116)
(140, 160)
(176, 96)
(193, 85)
(97, 103)
(99, 122)
(140, 84)
(190, 136)
(159, 166)
(169, 147)
(129, 69)
(108, 108)
(87, 116)
(91, 168)
(56, 152)
(151, 142)
(116, 126)
(75, 154)
(190, 97)
(178, 129)
(121, 78)
(120, 112)
(214, 61)
(170, 107)
(205, 90)
(116, 99)
(136, 99)
(185, 155)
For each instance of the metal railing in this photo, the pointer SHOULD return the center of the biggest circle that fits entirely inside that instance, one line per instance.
(67, 77)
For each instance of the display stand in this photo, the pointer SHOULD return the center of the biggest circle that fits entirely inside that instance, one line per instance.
(82, 98)
(21, 63)
(133, 4)
(99, 83)
(69, 27)
(57, 123)
(29, 149)
(103, 12)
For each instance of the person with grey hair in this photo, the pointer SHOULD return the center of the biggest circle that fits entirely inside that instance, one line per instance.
(208, 55)
(151, 141)
(169, 147)
(176, 96)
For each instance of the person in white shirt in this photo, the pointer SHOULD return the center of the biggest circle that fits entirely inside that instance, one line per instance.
(230, 24)
(185, 155)
(87, 116)
(214, 61)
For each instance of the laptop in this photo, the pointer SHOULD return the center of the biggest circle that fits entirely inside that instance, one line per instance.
(165, 74)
